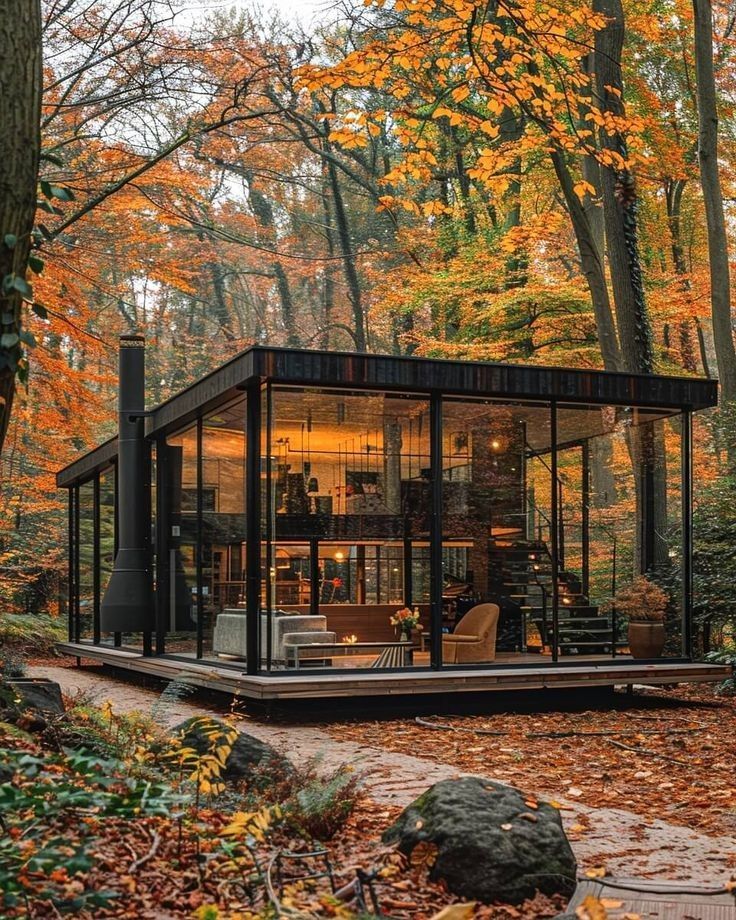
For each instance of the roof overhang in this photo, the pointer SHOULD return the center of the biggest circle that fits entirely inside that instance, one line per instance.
(401, 373)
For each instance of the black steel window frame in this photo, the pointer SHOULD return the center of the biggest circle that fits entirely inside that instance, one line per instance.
(260, 392)
(686, 574)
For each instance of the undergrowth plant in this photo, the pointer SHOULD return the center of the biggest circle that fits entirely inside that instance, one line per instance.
(41, 796)
(26, 635)
(725, 655)
(105, 731)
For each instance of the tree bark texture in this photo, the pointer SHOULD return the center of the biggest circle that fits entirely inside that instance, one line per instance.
(620, 203)
(20, 146)
(591, 261)
(710, 181)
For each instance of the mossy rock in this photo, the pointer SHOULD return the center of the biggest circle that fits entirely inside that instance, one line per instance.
(491, 844)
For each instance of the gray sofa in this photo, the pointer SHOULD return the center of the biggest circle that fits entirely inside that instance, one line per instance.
(230, 632)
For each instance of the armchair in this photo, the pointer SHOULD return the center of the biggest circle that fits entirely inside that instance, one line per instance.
(474, 639)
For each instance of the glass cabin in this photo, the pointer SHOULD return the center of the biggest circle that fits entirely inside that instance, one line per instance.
(335, 512)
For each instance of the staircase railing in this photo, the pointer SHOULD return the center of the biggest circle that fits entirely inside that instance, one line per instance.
(531, 452)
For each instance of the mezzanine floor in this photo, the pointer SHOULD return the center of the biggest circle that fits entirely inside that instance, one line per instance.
(283, 686)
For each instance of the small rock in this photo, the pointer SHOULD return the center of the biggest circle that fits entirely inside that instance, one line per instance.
(38, 693)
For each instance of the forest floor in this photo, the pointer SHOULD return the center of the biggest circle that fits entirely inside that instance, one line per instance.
(646, 788)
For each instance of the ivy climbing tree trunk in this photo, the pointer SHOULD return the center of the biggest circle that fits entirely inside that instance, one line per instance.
(20, 147)
(710, 180)
(620, 201)
(645, 441)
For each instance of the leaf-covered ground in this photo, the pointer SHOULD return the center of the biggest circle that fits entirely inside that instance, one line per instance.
(680, 771)
(665, 754)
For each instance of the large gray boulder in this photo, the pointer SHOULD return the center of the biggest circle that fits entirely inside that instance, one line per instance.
(249, 757)
(492, 843)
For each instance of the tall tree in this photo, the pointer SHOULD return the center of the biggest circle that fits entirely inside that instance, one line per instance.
(20, 149)
(710, 181)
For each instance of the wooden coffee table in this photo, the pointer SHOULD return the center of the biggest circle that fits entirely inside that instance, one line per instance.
(294, 654)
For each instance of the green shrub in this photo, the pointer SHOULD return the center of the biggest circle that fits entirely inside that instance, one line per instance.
(104, 731)
(321, 803)
(26, 635)
(725, 655)
(11, 665)
(41, 796)
(313, 803)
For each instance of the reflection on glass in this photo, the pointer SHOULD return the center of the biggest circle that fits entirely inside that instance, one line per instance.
(223, 516)
(619, 473)
(183, 601)
(107, 531)
(86, 560)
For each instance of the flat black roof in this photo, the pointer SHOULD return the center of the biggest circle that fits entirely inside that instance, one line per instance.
(403, 373)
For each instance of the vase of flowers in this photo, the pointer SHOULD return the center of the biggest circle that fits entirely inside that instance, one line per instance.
(404, 621)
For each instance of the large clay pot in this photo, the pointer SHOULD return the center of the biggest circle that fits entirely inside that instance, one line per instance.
(646, 639)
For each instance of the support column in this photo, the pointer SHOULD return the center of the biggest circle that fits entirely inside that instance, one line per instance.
(686, 448)
(554, 531)
(253, 525)
(200, 548)
(96, 635)
(76, 564)
(71, 612)
(435, 529)
(585, 475)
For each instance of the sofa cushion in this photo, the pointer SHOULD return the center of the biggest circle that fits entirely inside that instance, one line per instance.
(308, 638)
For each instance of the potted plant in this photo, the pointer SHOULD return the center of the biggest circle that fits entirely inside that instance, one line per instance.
(645, 604)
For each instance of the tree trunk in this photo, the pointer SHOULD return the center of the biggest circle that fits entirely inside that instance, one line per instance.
(646, 442)
(263, 211)
(328, 294)
(591, 260)
(20, 146)
(720, 282)
(673, 198)
(620, 203)
(348, 261)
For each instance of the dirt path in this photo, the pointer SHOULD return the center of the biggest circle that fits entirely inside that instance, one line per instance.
(623, 842)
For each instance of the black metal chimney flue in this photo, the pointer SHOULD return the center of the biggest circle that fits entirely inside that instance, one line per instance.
(128, 604)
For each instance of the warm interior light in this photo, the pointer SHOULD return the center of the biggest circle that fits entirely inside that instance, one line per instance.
(565, 600)
(496, 444)
(339, 556)
(350, 640)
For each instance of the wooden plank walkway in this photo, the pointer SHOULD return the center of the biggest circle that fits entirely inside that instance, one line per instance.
(301, 685)
(654, 900)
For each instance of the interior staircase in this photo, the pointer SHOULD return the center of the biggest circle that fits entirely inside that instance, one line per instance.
(521, 578)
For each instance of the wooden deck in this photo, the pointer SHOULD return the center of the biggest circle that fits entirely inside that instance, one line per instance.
(302, 685)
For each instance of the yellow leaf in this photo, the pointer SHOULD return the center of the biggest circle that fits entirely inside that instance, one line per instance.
(455, 912)
(591, 909)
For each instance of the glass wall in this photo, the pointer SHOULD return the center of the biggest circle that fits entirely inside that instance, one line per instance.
(550, 513)
(107, 532)
(223, 517)
(497, 524)
(347, 519)
(86, 562)
(620, 506)
(177, 572)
